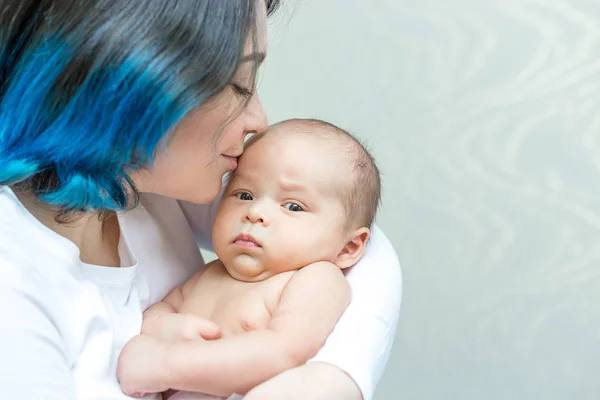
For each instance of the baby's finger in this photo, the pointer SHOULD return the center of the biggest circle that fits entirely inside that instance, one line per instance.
(208, 330)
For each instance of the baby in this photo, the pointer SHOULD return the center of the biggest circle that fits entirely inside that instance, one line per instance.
(294, 214)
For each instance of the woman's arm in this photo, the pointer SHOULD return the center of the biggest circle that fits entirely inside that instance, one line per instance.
(312, 381)
(360, 344)
(33, 361)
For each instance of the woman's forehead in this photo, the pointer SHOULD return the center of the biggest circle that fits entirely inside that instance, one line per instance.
(258, 43)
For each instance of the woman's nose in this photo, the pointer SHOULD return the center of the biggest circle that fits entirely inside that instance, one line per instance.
(257, 118)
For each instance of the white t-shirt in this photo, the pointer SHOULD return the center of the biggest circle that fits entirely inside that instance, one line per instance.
(65, 322)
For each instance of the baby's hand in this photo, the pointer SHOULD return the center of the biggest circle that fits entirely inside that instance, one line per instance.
(176, 327)
(141, 369)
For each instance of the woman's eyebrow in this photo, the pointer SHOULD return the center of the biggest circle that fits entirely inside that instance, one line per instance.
(257, 57)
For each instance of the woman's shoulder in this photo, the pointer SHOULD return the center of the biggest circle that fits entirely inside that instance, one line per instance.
(27, 248)
(163, 243)
(22, 262)
(23, 237)
(379, 262)
(8, 204)
(376, 280)
(16, 229)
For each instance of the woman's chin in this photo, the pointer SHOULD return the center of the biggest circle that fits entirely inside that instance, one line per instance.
(204, 196)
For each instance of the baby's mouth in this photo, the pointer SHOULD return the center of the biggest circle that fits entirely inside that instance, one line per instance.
(245, 240)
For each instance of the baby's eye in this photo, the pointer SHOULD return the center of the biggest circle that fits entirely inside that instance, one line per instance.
(244, 196)
(292, 207)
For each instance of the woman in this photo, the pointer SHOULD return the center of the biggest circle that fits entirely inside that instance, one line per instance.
(118, 121)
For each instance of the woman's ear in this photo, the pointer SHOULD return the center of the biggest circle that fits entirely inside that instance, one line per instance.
(354, 248)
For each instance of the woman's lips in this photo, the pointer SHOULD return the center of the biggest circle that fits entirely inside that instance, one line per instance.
(247, 241)
(233, 162)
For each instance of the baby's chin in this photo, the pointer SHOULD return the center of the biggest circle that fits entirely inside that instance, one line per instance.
(246, 268)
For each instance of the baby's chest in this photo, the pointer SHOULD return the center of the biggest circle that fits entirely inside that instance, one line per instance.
(235, 306)
(241, 313)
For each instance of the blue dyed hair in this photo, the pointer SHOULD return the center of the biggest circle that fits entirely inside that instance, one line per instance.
(90, 88)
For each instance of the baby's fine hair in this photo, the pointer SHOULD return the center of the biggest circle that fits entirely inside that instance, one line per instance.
(362, 197)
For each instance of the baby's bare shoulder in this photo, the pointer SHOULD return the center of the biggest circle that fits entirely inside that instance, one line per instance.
(274, 287)
(210, 272)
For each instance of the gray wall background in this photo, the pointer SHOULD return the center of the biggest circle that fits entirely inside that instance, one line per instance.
(483, 115)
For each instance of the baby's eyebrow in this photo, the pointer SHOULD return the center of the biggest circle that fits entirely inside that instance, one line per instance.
(237, 175)
(292, 186)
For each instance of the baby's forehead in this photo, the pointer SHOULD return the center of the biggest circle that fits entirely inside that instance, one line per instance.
(321, 146)
(316, 161)
(321, 137)
(317, 130)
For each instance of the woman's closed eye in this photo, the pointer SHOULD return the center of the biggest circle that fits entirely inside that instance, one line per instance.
(242, 91)
(293, 207)
(245, 196)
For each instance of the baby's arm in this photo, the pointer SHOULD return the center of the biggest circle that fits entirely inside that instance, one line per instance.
(162, 324)
(163, 321)
(310, 305)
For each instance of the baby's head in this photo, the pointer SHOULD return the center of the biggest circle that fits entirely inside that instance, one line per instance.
(304, 191)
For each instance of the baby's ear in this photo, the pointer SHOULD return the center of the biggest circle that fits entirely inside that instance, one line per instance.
(354, 248)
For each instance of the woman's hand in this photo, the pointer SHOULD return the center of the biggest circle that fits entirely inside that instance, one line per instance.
(176, 327)
(312, 381)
